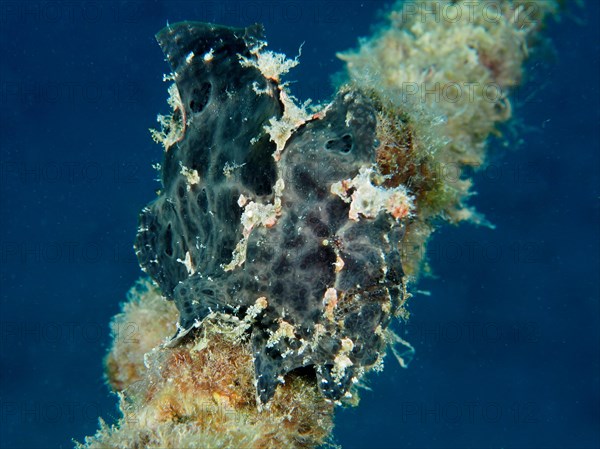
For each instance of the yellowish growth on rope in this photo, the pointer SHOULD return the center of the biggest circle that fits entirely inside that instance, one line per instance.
(201, 393)
(442, 72)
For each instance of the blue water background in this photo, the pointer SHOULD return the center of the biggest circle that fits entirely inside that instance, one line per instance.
(507, 341)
